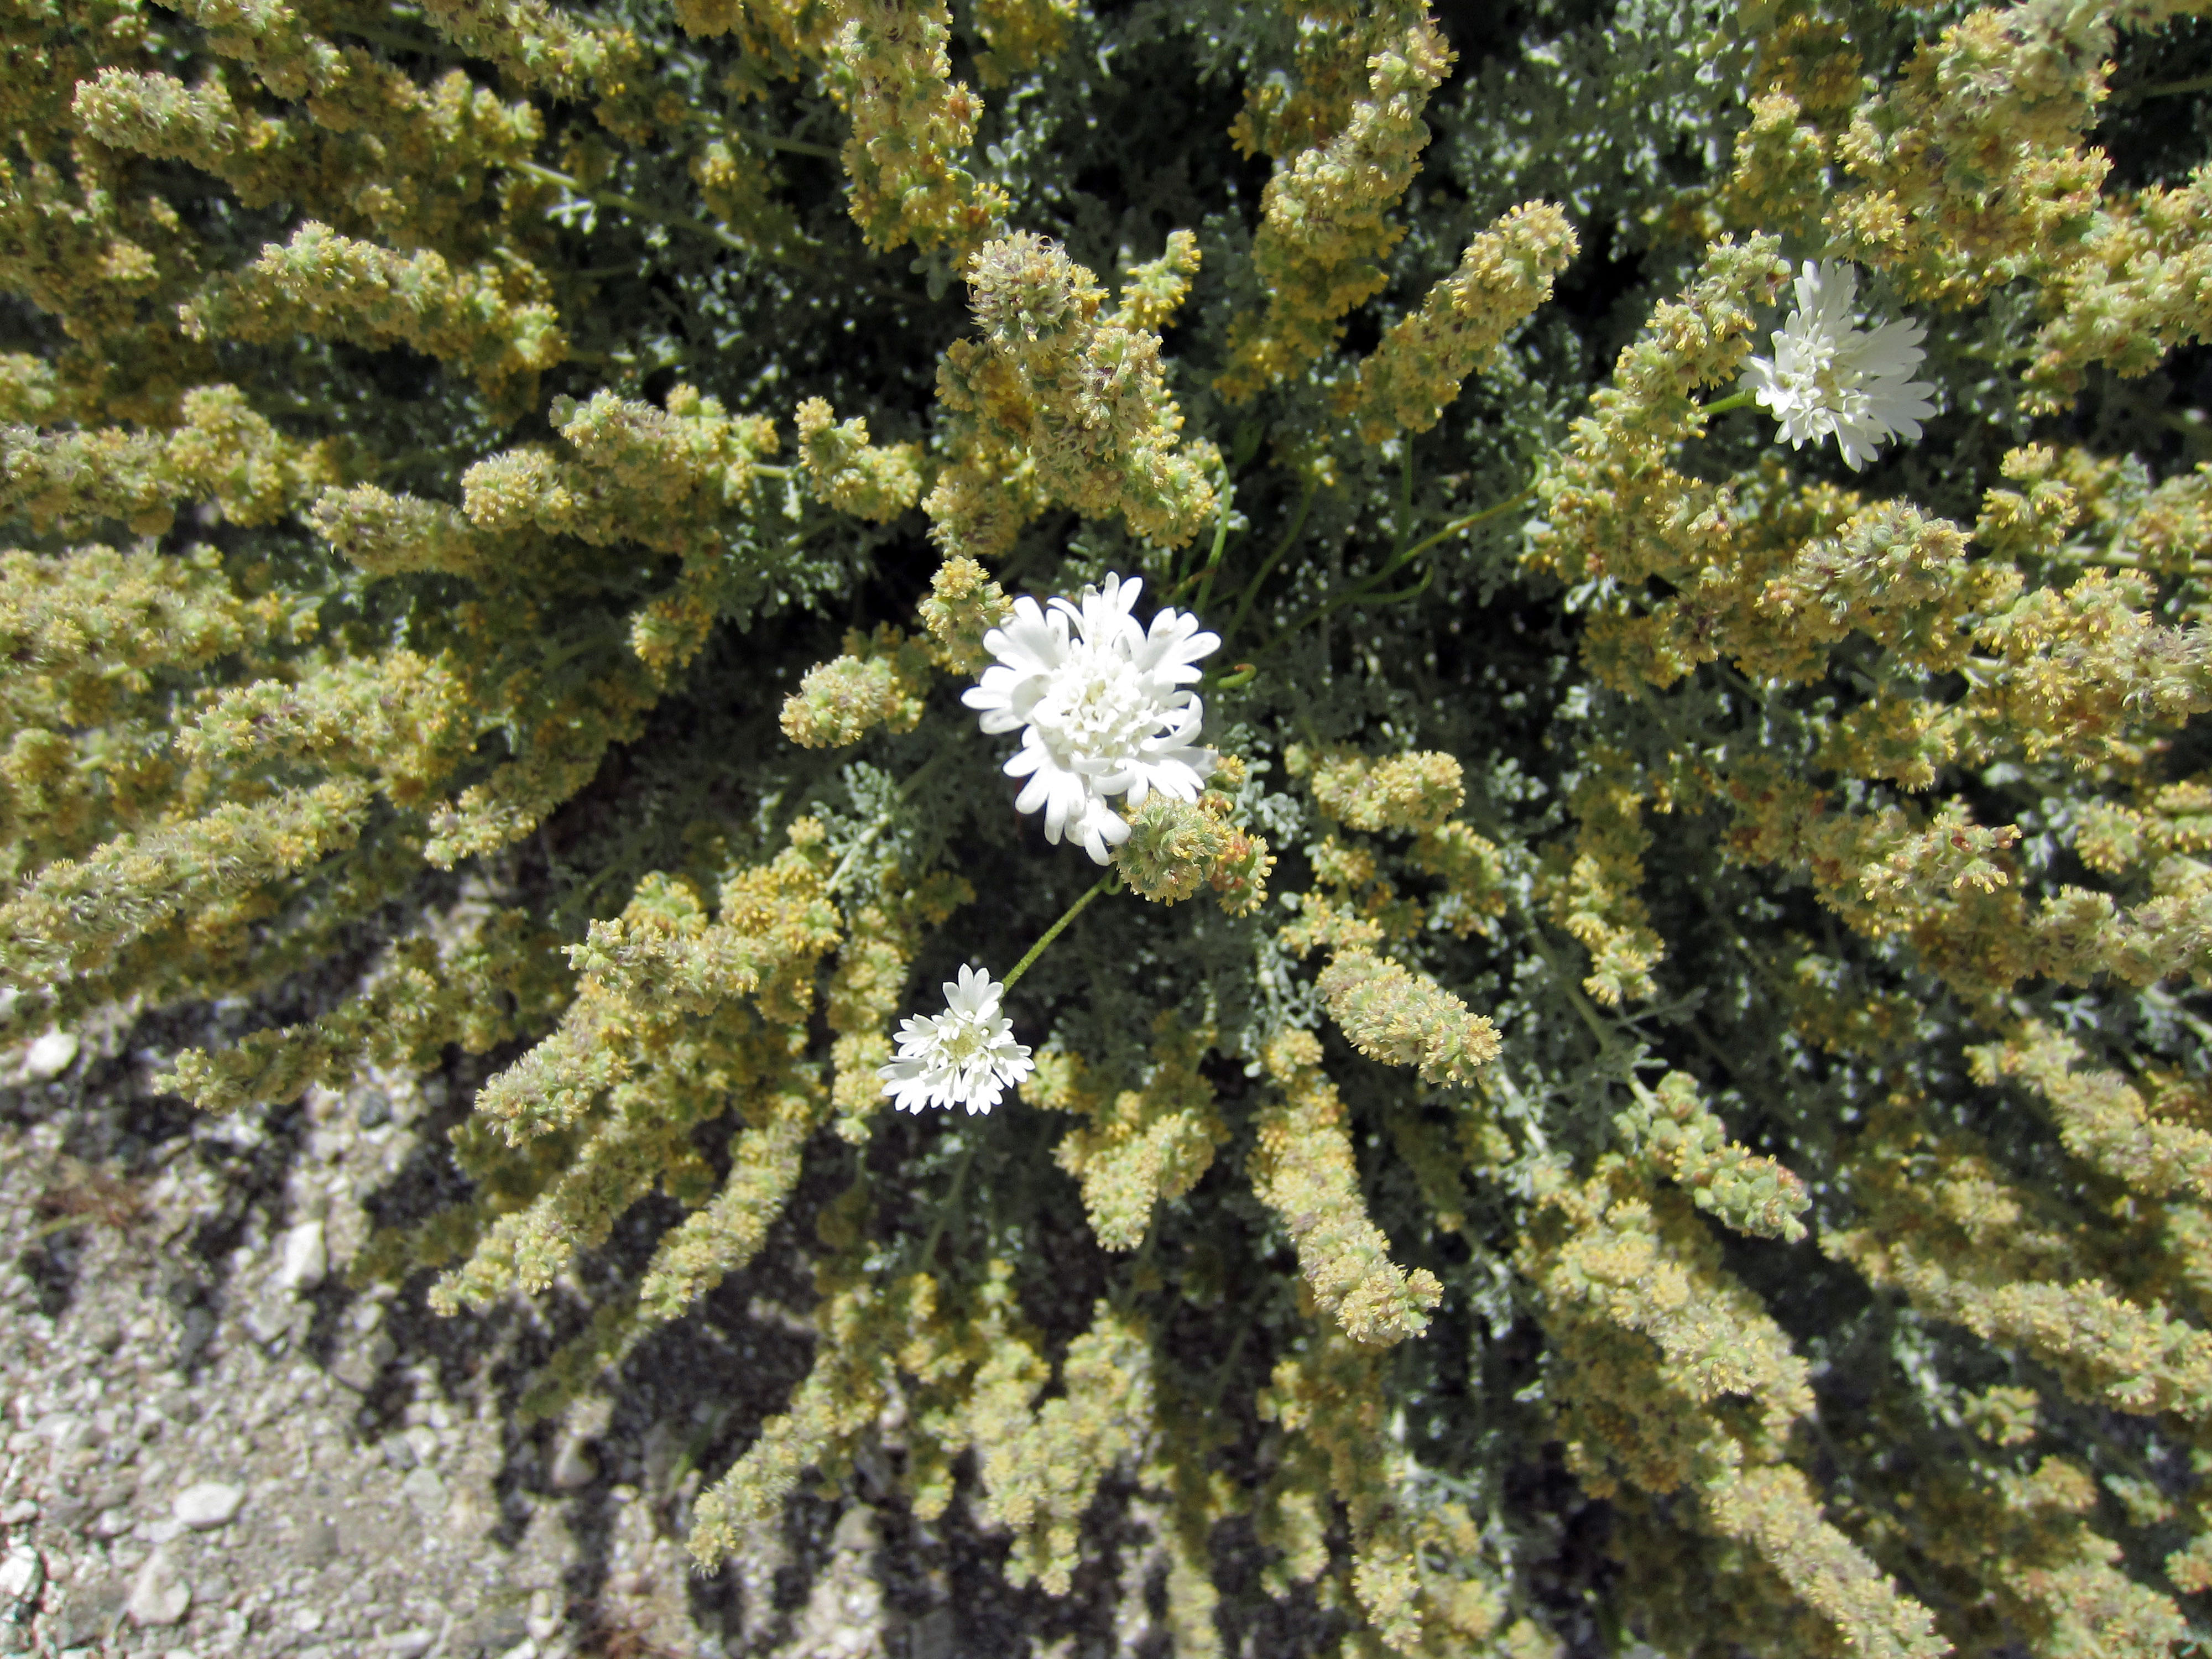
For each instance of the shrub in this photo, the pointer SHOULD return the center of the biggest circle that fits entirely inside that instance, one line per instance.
(1664, 1004)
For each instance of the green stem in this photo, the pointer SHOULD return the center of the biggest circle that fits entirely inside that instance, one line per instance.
(1468, 523)
(914, 778)
(1251, 594)
(1220, 541)
(1405, 525)
(393, 40)
(867, 837)
(2129, 562)
(563, 656)
(1366, 586)
(1054, 932)
(951, 1200)
(635, 209)
(1734, 400)
(796, 146)
(46, 1229)
(714, 233)
(2166, 89)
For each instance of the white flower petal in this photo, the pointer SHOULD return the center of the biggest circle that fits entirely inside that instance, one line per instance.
(965, 1056)
(1102, 704)
(1829, 379)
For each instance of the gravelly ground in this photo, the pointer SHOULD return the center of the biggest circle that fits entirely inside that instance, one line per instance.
(213, 1445)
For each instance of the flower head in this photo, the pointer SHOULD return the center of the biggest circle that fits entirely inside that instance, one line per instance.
(965, 1057)
(1102, 707)
(1828, 378)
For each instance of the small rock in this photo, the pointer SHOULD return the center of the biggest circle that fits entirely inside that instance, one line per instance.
(471, 1514)
(90, 1614)
(63, 1430)
(359, 1367)
(572, 1467)
(180, 1653)
(316, 1544)
(408, 1644)
(543, 1622)
(112, 1492)
(493, 1630)
(110, 1522)
(302, 1261)
(526, 1649)
(208, 1503)
(425, 1492)
(22, 1510)
(49, 1056)
(195, 1329)
(399, 1452)
(272, 1319)
(159, 1595)
(855, 1532)
(21, 1574)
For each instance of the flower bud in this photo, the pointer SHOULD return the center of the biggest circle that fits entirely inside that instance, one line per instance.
(1171, 848)
(1028, 294)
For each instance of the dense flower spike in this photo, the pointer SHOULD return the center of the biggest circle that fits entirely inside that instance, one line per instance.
(1404, 1018)
(965, 1056)
(1506, 272)
(877, 682)
(853, 476)
(1171, 849)
(1061, 402)
(1828, 379)
(1104, 706)
(1140, 1146)
(963, 605)
(1324, 228)
(911, 125)
(1304, 1172)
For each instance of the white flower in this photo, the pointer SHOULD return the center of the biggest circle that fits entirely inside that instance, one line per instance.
(1103, 708)
(1827, 377)
(965, 1056)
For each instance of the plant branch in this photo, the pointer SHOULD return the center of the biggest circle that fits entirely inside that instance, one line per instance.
(1106, 882)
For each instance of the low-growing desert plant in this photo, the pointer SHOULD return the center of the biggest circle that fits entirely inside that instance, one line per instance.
(1578, 628)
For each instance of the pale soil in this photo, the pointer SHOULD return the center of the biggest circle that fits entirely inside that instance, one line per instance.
(174, 1314)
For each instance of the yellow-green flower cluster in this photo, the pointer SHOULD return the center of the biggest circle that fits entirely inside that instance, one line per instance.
(912, 125)
(1404, 1018)
(1303, 1170)
(876, 682)
(1176, 847)
(1059, 403)
(1506, 272)
(1325, 224)
(853, 476)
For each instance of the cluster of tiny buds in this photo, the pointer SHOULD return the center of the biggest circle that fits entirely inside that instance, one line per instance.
(1027, 292)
